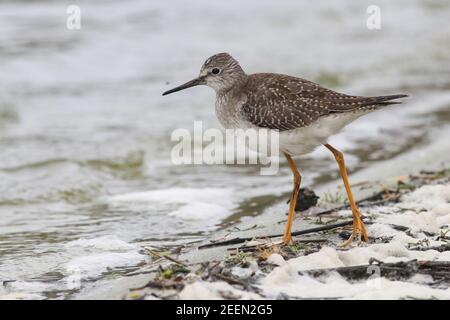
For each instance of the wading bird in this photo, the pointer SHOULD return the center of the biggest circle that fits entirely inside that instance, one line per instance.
(304, 113)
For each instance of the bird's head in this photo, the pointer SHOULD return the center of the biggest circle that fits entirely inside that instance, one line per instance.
(220, 72)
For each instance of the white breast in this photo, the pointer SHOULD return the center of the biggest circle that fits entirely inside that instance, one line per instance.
(304, 140)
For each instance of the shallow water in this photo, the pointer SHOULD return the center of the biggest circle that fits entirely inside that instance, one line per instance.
(86, 179)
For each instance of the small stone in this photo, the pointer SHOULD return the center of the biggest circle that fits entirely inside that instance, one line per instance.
(241, 273)
(306, 199)
(344, 235)
(276, 259)
(253, 243)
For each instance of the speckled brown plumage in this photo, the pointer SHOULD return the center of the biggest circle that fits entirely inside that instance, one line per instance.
(282, 102)
(274, 101)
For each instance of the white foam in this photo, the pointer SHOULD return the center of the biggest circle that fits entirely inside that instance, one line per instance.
(214, 291)
(427, 198)
(200, 211)
(31, 286)
(207, 204)
(21, 296)
(286, 279)
(25, 290)
(176, 195)
(94, 265)
(107, 243)
(427, 209)
(92, 257)
(330, 286)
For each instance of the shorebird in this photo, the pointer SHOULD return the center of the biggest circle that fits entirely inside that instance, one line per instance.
(304, 113)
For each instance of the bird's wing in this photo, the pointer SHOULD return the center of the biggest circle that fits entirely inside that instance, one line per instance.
(284, 103)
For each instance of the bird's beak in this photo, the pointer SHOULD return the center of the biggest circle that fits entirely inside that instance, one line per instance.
(192, 83)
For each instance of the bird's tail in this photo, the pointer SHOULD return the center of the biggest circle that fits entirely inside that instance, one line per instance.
(385, 100)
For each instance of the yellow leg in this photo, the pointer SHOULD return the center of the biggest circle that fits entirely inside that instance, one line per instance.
(287, 238)
(358, 225)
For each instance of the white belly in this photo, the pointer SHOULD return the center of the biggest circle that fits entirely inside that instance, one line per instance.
(304, 140)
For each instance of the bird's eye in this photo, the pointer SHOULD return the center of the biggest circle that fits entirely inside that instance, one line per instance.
(215, 71)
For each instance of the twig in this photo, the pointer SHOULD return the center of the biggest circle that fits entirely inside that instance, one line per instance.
(161, 285)
(373, 197)
(166, 257)
(284, 296)
(268, 245)
(228, 279)
(296, 233)
(441, 248)
(437, 269)
(398, 227)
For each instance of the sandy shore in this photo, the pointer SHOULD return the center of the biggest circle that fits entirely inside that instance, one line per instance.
(406, 223)
(407, 219)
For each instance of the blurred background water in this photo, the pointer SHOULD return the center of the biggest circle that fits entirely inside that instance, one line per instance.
(86, 178)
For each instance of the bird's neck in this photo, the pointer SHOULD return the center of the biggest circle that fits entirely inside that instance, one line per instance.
(228, 101)
(237, 83)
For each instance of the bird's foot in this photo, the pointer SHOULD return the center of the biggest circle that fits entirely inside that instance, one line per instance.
(287, 240)
(359, 229)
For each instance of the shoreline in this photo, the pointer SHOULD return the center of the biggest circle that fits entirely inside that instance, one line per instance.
(261, 269)
(433, 157)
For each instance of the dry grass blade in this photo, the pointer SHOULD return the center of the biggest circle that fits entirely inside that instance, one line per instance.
(157, 254)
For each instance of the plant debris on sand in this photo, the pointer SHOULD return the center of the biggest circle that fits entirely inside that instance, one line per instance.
(407, 256)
